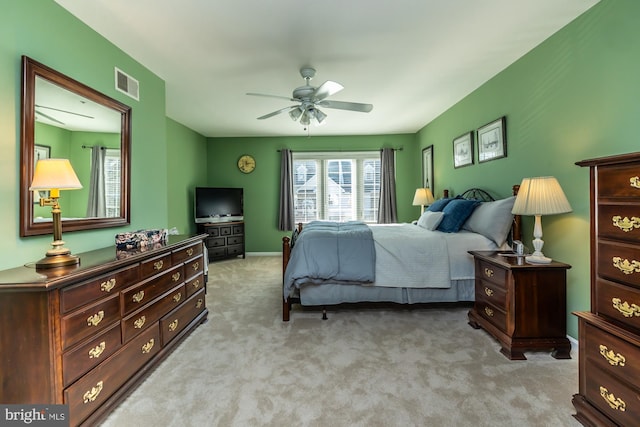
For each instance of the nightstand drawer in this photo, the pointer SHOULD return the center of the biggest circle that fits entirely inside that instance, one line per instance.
(493, 314)
(618, 302)
(610, 353)
(492, 273)
(492, 293)
(613, 397)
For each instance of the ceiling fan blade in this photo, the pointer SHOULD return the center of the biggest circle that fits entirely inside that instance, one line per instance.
(351, 106)
(49, 117)
(275, 113)
(327, 89)
(65, 111)
(288, 98)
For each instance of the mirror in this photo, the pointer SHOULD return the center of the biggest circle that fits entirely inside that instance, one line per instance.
(64, 118)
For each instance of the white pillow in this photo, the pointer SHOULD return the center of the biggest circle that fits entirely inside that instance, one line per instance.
(430, 220)
(492, 219)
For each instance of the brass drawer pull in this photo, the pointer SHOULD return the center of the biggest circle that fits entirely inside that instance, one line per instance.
(488, 311)
(95, 319)
(138, 296)
(625, 266)
(173, 325)
(196, 265)
(199, 303)
(189, 251)
(615, 402)
(614, 359)
(177, 297)
(626, 309)
(140, 322)
(634, 182)
(158, 265)
(96, 351)
(488, 272)
(625, 224)
(196, 284)
(92, 394)
(175, 277)
(146, 348)
(108, 285)
(488, 291)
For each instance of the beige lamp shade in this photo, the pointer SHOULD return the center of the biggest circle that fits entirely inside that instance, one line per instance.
(422, 197)
(540, 196)
(54, 174)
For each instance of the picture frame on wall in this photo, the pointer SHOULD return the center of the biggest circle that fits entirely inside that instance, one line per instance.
(40, 152)
(463, 150)
(427, 168)
(492, 140)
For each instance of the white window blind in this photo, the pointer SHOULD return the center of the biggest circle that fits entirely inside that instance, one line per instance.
(336, 186)
(112, 182)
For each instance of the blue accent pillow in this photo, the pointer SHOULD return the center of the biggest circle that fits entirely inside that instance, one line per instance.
(456, 213)
(438, 205)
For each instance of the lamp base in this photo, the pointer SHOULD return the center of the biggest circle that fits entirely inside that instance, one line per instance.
(538, 259)
(58, 260)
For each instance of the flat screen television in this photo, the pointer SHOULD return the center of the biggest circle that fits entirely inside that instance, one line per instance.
(218, 204)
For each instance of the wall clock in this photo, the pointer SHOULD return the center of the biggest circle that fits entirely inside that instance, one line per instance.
(246, 163)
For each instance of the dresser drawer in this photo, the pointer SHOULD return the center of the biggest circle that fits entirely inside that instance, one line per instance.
(492, 313)
(183, 254)
(492, 293)
(91, 290)
(155, 266)
(618, 221)
(137, 296)
(79, 360)
(89, 392)
(618, 302)
(194, 285)
(218, 252)
(619, 262)
(492, 273)
(235, 250)
(611, 354)
(138, 321)
(613, 397)
(214, 243)
(178, 319)
(225, 230)
(235, 240)
(193, 267)
(238, 229)
(89, 320)
(619, 181)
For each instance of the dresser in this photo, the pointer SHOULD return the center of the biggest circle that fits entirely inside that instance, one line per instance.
(224, 239)
(609, 334)
(86, 335)
(522, 305)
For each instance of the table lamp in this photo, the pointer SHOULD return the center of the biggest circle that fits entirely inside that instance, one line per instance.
(422, 198)
(540, 196)
(54, 175)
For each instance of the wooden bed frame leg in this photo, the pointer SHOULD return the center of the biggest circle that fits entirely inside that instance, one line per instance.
(324, 314)
(286, 309)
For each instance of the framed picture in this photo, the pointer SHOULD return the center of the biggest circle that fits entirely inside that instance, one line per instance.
(427, 168)
(463, 150)
(40, 152)
(492, 140)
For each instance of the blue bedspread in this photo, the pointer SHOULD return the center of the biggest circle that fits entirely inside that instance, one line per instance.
(339, 252)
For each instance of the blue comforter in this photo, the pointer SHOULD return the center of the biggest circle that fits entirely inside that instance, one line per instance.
(339, 252)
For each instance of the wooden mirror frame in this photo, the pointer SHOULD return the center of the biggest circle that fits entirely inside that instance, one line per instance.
(30, 70)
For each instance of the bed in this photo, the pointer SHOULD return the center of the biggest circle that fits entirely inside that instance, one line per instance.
(427, 261)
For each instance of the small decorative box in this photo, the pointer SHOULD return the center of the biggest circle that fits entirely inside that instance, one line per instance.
(140, 238)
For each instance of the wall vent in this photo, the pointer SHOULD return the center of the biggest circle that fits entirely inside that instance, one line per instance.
(127, 84)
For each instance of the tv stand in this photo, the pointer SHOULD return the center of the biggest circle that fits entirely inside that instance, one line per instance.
(225, 239)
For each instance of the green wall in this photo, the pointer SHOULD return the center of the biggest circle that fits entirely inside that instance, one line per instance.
(574, 97)
(49, 34)
(187, 169)
(261, 187)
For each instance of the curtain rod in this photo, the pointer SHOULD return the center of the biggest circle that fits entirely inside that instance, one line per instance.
(91, 146)
(337, 151)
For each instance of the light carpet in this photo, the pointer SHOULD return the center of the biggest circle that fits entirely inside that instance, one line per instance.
(390, 366)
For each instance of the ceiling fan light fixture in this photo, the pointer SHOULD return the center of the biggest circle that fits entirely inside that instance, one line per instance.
(305, 119)
(295, 114)
(320, 116)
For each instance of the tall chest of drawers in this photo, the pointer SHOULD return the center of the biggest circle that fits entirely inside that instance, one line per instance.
(609, 334)
(86, 335)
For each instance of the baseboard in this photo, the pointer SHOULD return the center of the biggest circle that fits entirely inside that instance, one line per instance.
(263, 254)
(574, 343)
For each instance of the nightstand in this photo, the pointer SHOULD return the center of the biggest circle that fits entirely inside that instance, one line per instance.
(521, 305)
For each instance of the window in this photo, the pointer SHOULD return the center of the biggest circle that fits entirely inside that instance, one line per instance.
(338, 186)
(112, 182)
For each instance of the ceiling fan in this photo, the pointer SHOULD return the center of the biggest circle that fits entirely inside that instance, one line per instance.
(309, 98)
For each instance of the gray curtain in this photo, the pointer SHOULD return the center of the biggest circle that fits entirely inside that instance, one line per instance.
(97, 195)
(387, 209)
(286, 216)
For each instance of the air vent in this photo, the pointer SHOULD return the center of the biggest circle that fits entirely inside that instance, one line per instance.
(127, 84)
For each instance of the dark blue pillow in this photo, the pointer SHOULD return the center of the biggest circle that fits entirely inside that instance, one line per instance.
(456, 212)
(438, 205)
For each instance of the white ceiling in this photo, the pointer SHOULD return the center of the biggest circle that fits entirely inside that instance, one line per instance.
(411, 59)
